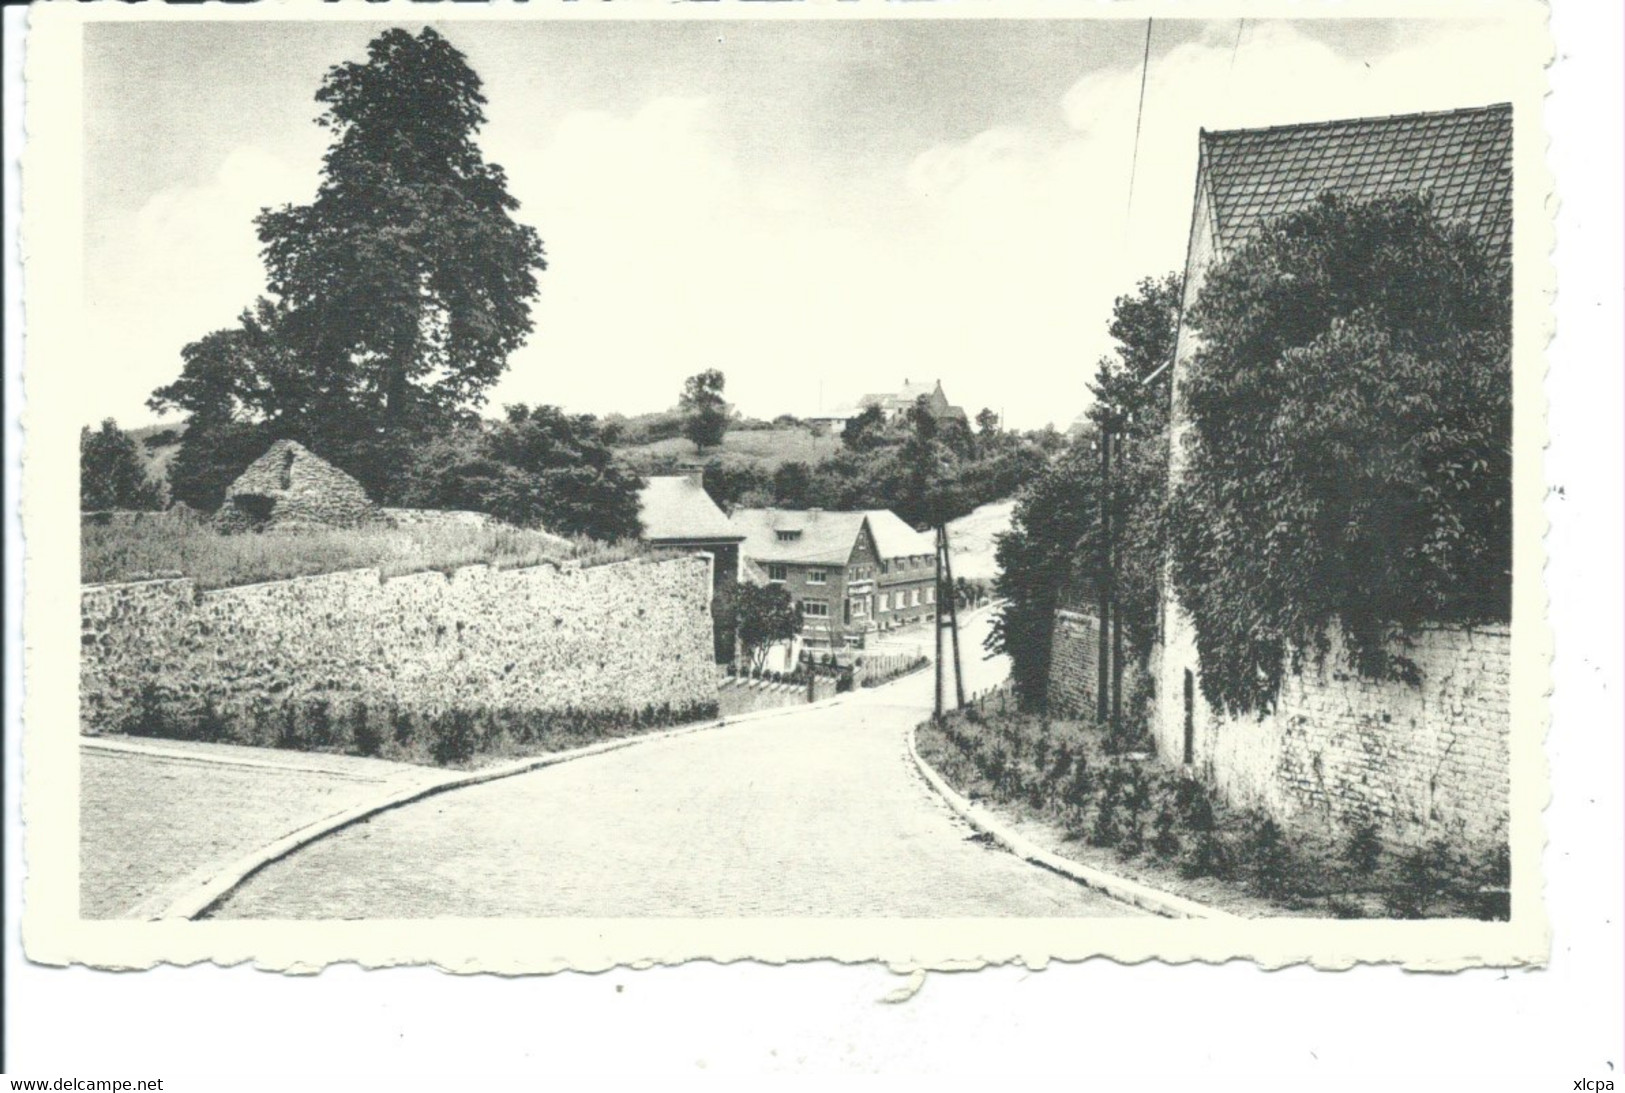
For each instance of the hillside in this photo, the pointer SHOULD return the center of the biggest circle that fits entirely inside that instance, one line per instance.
(766, 447)
(971, 538)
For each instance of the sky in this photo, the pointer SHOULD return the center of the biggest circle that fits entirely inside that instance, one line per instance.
(819, 209)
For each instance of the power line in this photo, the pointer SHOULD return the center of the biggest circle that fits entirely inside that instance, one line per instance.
(1241, 24)
(1139, 114)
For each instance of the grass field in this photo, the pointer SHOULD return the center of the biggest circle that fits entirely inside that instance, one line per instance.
(167, 546)
(769, 447)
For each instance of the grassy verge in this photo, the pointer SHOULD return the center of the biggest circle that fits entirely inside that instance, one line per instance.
(448, 738)
(1119, 810)
(167, 546)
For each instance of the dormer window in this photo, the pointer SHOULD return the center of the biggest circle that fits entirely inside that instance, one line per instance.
(788, 535)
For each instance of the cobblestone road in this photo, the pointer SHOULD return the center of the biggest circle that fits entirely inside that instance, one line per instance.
(818, 812)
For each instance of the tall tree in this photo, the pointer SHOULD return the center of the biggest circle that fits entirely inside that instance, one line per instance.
(766, 616)
(705, 412)
(111, 475)
(399, 291)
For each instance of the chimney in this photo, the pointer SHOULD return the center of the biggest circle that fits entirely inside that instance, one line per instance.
(696, 478)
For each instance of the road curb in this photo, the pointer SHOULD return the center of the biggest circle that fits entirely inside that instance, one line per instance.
(1120, 888)
(206, 887)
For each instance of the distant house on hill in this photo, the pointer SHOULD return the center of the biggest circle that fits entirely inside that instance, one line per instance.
(291, 488)
(894, 405)
(850, 574)
(678, 514)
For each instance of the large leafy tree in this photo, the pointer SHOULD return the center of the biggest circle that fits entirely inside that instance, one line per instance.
(111, 475)
(399, 291)
(704, 410)
(1350, 445)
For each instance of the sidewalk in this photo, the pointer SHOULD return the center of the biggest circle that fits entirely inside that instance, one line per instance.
(153, 813)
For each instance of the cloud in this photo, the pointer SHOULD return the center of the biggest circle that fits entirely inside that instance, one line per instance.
(185, 264)
(990, 262)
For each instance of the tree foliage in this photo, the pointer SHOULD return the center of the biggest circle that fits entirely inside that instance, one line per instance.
(396, 296)
(111, 474)
(1349, 458)
(766, 616)
(705, 412)
(541, 467)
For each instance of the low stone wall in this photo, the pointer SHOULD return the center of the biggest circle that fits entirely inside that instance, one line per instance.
(612, 637)
(1423, 761)
(1074, 667)
(737, 696)
(1074, 663)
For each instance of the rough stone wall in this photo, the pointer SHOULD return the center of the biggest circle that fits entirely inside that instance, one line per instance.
(610, 637)
(1418, 761)
(289, 488)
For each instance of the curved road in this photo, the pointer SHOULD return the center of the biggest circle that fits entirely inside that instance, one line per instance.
(817, 812)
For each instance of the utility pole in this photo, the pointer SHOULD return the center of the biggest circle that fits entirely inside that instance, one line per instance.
(1117, 621)
(953, 613)
(936, 625)
(1103, 584)
(945, 593)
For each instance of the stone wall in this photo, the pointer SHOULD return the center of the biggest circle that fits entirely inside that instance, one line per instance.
(1419, 761)
(611, 637)
(440, 518)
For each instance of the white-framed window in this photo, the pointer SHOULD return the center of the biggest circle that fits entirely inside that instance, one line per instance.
(860, 607)
(931, 594)
(817, 576)
(885, 601)
(915, 599)
(778, 574)
(816, 609)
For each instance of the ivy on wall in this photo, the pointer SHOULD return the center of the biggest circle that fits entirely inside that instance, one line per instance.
(1349, 456)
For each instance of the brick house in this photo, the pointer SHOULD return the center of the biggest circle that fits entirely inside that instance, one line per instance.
(1334, 747)
(851, 574)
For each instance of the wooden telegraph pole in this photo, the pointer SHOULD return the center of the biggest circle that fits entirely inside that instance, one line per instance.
(945, 593)
(1117, 623)
(1103, 582)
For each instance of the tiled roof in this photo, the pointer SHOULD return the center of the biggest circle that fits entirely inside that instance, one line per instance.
(1461, 158)
(895, 539)
(826, 538)
(677, 507)
(903, 399)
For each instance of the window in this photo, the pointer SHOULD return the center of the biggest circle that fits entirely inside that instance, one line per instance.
(930, 595)
(817, 576)
(815, 609)
(885, 601)
(788, 535)
(778, 573)
(885, 567)
(915, 602)
(860, 607)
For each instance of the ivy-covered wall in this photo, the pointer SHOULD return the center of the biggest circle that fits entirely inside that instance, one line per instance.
(1419, 760)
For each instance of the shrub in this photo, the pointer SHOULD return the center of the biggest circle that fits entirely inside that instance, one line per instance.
(366, 734)
(453, 738)
(1269, 859)
(1362, 850)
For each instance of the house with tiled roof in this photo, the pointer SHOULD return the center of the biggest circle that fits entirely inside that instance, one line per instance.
(678, 514)
(1314, 752)
(851, 574)
(894, 404)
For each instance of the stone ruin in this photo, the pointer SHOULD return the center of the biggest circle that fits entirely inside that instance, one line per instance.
(290, 488)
